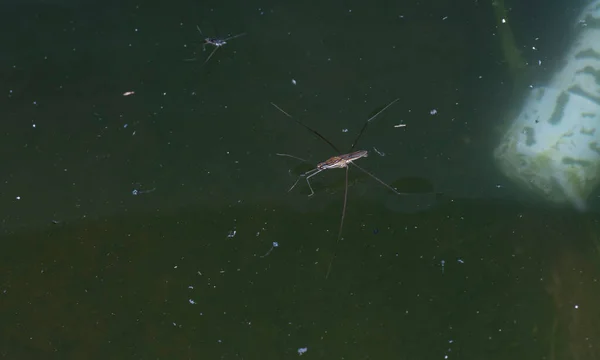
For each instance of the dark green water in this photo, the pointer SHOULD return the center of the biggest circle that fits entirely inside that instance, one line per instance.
(88, 270)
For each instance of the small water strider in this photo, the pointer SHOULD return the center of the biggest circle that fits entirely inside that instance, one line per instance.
(216, 42)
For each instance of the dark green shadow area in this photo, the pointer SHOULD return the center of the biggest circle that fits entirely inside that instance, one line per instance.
(516, 282)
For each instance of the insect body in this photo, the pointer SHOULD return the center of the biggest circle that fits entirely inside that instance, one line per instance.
(342, 161)
(216, 42)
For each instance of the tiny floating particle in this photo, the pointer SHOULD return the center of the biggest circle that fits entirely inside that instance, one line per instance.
(302, 350)
(380, 153)
(127, 93)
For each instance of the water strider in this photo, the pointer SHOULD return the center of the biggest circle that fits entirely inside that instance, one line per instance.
(216, 42)
(338, 162)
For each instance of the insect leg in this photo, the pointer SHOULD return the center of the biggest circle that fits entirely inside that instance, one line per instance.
(310, 173)
(211, 54)
(308, 182)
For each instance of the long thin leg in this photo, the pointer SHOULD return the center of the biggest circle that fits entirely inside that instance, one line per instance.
(302, 175)
(234, 36)
(310, 173)
(200, 31)
(368, 121)
(308, 128)
(377, 179)
(382, 110)
(341, 227)
(292, 156)
(211, 54)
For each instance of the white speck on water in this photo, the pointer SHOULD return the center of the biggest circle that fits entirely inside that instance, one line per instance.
(433, 112)
(302, 350)
(293, 82)
(192, 302)
(344, 130)
(231, 233)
